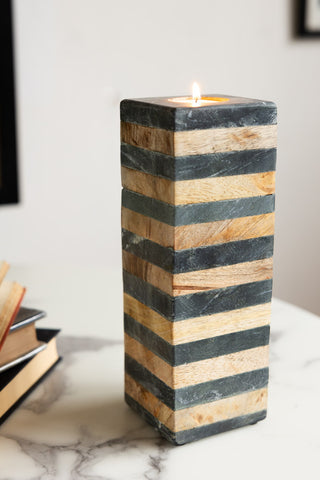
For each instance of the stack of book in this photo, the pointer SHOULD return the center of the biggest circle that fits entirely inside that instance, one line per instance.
(27, 353)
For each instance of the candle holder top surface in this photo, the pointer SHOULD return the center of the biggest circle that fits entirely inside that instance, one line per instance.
(165, 113)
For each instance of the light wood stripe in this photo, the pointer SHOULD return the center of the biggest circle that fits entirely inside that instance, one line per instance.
(148, 227)
(225, 140)
(224, 188)
(238, 274)
(148, 317)
(200, 234)
(200, 280)
(148, 272)
(199, 328)
(201, 190)
(235, 229)
(156, 139)
(195, 142)
(193, 417)
(197, 372)
(149, 185)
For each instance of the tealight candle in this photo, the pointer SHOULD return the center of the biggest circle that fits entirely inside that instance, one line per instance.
(197, 235)
(196, 100)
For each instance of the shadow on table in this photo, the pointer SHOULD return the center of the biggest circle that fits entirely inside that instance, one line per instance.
(63, 413)
(93, 423)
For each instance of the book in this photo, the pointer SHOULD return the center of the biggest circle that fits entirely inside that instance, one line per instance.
(4, 267)
(22, 341)
(17, 382)
(11, 294)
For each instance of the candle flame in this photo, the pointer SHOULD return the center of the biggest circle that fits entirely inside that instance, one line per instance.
(196, 96)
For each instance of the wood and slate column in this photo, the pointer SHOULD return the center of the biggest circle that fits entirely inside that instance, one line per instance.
(197, 233)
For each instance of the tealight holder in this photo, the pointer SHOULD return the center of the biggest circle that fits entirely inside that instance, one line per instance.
(197, 236)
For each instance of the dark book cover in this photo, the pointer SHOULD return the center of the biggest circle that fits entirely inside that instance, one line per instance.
(25, 316)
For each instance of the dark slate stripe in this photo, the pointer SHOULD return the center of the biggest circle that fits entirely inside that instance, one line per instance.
(219, 115)
(200, 393)
(224, 254)
(149, 295)
(197, 304)
(198, 166)
(149, 206)
(150, 115)
(148, 161)
(197, 212)
(200, 258)
(199, 350)
(164, 257)
(152, 383)
(187, 436)
(224, 299)
(150, 340)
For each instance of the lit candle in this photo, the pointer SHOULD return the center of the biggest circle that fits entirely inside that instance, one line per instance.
(197, 237)
(196, 100)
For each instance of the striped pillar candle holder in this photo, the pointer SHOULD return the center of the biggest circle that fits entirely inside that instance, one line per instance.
(197, 238)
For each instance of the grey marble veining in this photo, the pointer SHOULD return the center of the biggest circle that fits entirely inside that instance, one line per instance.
(76, 425)
(197, 212)
(197, 304)
(86, 446)
(165, 114)
(198, 394)
(198, 258)
(86, 449)
(197, 350)
(198, 166)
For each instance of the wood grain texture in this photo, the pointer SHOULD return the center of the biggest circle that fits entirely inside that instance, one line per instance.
(223, 231)
(197, 372)
(221, 277)
(224, 140)
(200, 393)
(147, 227)
(196, 142)
(149, 185)
(148, 317)
(200, 280)
(149, 272)
(210, 326)
(156, 139)
(201, 190)
(197, 304)
(197, 239)
(182, 354)
(193, 434)
(200, 234)
(198, 328)
(201, 258)
(194, 417)
(223, 188)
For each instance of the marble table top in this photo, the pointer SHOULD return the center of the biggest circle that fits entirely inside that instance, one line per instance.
(75, 425)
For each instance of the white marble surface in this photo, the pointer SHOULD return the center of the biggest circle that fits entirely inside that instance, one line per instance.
(77, 426)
